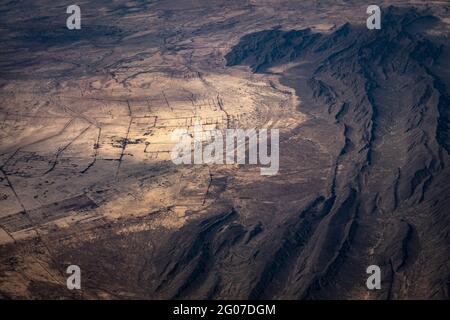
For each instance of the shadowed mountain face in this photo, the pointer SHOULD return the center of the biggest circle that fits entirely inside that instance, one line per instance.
(384, 94)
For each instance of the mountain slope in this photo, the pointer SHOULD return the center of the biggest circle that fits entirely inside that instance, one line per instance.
(381, 91)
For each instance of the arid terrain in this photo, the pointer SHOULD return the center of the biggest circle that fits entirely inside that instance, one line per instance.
(86, 176)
